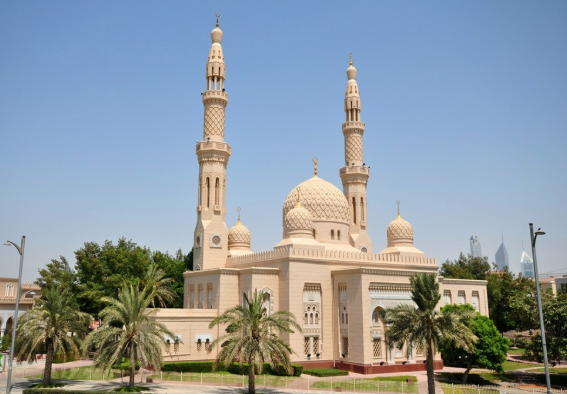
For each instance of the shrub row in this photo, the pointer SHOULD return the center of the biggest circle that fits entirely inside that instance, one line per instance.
(325, 372)
(235, 368)
(61, 391)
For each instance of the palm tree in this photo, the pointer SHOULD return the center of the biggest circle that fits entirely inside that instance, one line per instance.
(251, 335)
(159, 285)
(128, 332)
(426, 326)
(53, 323)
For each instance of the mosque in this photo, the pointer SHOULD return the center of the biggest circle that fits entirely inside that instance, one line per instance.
(324, 270)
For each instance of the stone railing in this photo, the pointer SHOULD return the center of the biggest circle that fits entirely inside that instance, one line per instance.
(327, 255)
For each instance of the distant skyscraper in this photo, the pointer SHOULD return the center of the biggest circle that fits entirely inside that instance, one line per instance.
(501, 257)
(476, 250)
(526, 265)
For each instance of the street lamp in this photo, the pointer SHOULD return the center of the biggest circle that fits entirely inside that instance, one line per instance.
(18, 295)
(544, 346)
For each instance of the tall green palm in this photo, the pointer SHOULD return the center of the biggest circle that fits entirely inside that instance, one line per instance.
(251, 336)
(55, 322)
(426, 326)
(129, 332)
(156, 281)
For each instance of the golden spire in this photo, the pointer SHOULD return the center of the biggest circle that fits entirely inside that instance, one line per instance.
(298, 201)
(238, 215)
(315, 161)
(218, 15)
(350, 54)
(399, 216)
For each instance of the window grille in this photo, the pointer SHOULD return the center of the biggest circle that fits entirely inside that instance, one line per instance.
(461, 297)
(418, 349)
(447, 297)
(315, 345)
(345, 345)
(306, 344)
(475, 300)
(199, 345)
(207, 345)
(377, 347)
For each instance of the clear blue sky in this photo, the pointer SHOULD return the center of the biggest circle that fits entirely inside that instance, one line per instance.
(465, 105)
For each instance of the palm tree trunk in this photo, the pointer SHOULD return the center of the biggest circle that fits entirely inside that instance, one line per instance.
(429, 365)
(466, 374)
(132, 366)
(251, 375)
(48, 362)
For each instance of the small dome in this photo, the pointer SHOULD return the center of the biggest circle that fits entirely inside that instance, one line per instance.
(239, 234)
(399, 232)
(351, 72)
(216, 35)
(323, 200)
(298, 218)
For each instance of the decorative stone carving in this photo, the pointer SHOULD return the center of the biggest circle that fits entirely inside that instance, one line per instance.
(298, 218)
(214, 120)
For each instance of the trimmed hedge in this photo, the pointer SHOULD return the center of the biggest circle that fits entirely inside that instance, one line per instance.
(235, 368)
(325, 372)
(61, 391)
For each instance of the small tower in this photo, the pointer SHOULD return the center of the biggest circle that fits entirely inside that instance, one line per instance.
(354, 174)
(211, 233)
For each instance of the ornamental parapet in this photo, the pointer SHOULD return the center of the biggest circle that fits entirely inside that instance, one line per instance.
(212, 147)
(361, 170)
(215, 95)
(327, 255)
(353, 125)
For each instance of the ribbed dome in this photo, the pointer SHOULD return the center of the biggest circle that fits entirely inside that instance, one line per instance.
(323, 200)
(298, 218)
(239, 234)
(399, 232)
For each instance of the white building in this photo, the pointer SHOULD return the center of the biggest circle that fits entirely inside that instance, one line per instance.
(526, 265)
(476, 250)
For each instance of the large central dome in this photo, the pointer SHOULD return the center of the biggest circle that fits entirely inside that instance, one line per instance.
(322, 199)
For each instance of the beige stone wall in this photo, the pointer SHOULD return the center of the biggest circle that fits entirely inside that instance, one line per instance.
(466, 287)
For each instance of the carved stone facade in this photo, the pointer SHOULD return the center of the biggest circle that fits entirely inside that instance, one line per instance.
(324, 270)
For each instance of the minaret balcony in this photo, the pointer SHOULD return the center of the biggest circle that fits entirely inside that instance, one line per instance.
(358, 170)
(353, 125)
(212, 147)
(214, 95)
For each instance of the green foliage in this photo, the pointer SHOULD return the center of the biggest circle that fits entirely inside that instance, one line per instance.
(325, 372)
(48, 386)
(49, 324)
(128, 331)
(489, 351)
(234, 368)
(555, 321)
(425, 326)
(125, 365)
(128, 389)
(61, 358)
(466, 267)
(6, 342)
(165, 275)
(251, 335)
(58, 274)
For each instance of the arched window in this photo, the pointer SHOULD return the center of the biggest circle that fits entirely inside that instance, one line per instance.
(313, 233)
(376, 317)
(353, 210)
(306, 319)
(332, 234)
(316, 318)
(361, 209)
(208, 184)
(217, 191)
(311, 318)
(339, 235)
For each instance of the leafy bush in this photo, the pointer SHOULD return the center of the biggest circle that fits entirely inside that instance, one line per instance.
(61, 358)
(125, 365)
(325, 372)
(235, 368)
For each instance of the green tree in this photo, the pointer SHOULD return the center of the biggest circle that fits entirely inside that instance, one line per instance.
(466, 267)
(128, 332)
(173, 268)
(489, 351)
(252, 336)
(55, 323)
(102, 271)
(425, 326)
(510, 300)
(58, 274)
(160, 286)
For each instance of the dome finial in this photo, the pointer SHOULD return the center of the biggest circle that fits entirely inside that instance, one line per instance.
(350, 54)
(238, 209)
(315, 161)
(218, 16)
(399, 216)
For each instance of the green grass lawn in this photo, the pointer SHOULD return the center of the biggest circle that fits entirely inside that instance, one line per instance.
(513, 365)
(380, 384)
(551, 370)
(225, 378)
(516, 351)
(455, 389)
(82, 373)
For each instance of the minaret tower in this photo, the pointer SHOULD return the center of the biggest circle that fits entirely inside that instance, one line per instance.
(211, 233)
(354, 174)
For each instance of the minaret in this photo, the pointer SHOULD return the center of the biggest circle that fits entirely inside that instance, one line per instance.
(355, 174)
(211, 233)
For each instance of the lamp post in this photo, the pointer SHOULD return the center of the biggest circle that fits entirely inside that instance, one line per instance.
(18, 295)
(543, 344)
